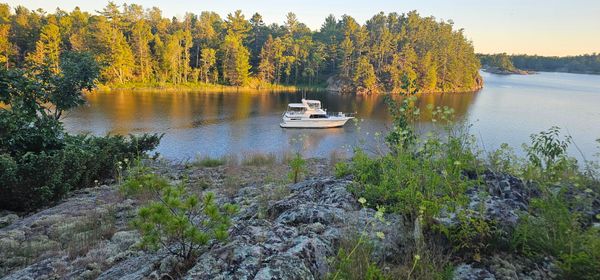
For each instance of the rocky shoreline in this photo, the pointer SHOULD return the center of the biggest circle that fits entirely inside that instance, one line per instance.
(282, 231)
(499, 71)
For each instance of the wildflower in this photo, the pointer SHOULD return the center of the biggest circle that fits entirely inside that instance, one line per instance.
(380, 235)
(95, 181)
(362, 200)
(417, 257)
(126, 160)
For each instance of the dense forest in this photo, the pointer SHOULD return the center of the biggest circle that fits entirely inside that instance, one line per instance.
(138, 46)
(585, 64)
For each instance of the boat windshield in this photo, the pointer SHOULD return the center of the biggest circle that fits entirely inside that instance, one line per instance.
(318, 116)
(296, 109)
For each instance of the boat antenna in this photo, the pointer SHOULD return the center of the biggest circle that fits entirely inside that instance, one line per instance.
(303, 94)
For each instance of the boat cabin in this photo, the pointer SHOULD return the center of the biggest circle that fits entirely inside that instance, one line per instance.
(312, 104)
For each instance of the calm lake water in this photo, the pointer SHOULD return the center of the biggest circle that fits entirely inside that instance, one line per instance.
(508, 109)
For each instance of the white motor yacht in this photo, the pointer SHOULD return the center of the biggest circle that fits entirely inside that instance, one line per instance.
(309, 114)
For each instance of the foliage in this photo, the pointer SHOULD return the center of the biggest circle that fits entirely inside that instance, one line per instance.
(427, 174)
(42, 91)
(551, 229)
(503, 160)
(555, 224)
(588, 63)
(134, 45)
(40, 163)
(353, 260)
(298, 166)
(500, 61)
(547, 150)
(35, 179)
(473, 235)
(402, 134)
(420, 173)
(209, 161)
(174, 220)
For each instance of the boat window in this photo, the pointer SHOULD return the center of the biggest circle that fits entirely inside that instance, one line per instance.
(314, 105)
(320, 116)
(296, 109)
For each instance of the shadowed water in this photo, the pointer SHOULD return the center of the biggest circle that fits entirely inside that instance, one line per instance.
(508, 109)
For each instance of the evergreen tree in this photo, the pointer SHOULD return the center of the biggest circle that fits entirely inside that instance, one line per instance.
(141, 36)
(364, 77)
(267, 66)
(235, 61)
(47, 49)
(209, 72)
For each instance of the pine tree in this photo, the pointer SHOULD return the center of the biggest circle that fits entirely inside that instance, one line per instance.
(47, 49)
(6, 47)
(140, 40)
(364, 77)
(209, 72)
(235, 61)
(267, 66)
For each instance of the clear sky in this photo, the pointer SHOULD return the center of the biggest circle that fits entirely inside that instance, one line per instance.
(545, 27)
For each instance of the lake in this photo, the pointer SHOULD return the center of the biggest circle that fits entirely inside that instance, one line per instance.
(508, 109)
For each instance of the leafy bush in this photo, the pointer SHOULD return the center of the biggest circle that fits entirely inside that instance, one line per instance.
(33, 180)
(548, 158)
(174, 220)
(473, 236)
(551, 229)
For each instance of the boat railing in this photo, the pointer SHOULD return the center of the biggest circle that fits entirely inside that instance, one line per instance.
(341, 114)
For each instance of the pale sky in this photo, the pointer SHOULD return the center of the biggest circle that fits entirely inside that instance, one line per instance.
(545, 27)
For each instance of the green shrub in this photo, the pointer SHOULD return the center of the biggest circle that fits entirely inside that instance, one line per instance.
(504, 160)
(342, 169)
(472, 236)
(405, 183)
(33, 180)
(421, 172)
(298, 166)
(174, 220)
(551, 229)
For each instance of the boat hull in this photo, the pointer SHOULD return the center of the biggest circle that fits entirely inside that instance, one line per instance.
(315, 123)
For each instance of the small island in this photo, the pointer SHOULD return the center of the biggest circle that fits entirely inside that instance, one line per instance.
(501, 64)
(530, 64)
